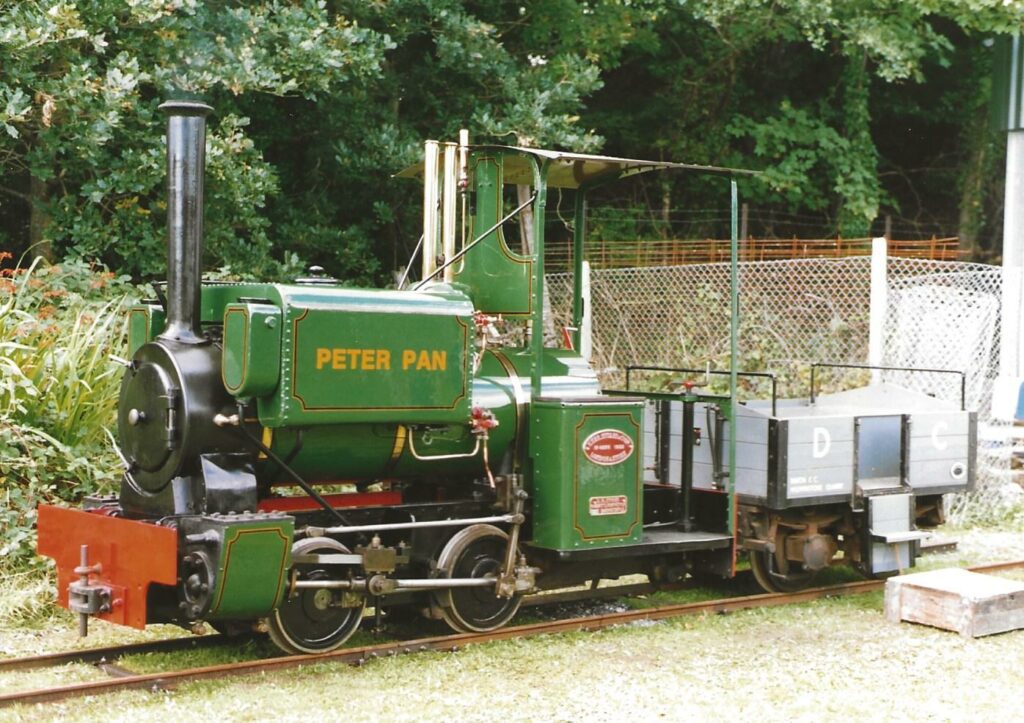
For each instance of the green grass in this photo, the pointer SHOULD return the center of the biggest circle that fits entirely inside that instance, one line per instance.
(828, 660)
(832, 659)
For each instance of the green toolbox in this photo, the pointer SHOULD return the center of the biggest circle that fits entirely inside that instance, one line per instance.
(586, 483)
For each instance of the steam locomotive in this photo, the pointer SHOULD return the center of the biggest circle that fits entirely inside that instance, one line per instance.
(295, 453)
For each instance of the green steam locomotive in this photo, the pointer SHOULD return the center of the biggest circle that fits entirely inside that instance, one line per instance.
(295, 453)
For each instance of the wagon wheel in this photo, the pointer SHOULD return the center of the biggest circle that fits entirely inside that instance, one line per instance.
(477, 551)
(311, 621)
(763, 565)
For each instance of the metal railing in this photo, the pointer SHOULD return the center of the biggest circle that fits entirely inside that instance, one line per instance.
(875, 368)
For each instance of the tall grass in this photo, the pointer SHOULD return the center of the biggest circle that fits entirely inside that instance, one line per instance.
(59, 326)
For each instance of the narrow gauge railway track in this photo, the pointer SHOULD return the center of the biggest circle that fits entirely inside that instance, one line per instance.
(113, 652)
(451, 643)
(109, 654)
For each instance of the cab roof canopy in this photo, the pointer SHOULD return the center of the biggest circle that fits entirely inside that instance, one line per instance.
(572, 170)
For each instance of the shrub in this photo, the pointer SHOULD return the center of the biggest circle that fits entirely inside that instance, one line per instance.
(59, 327)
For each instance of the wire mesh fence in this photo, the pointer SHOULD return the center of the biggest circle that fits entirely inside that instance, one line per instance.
(939, 315)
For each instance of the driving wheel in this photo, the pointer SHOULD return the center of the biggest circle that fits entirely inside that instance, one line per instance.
(475, 552)
(313, 620)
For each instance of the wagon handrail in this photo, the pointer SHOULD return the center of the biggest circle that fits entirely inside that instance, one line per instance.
(722, 372)
(875, 367)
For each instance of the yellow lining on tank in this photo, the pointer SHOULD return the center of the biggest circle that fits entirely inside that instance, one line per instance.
(268, 440)
(400, 435)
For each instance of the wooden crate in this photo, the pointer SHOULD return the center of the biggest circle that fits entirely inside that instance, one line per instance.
(953, 599)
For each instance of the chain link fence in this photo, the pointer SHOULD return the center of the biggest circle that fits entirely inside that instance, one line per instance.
(939, 315)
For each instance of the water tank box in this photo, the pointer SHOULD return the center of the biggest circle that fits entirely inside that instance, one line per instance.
(371, 356)
(145, 321)
(244, 558)
(586, 482)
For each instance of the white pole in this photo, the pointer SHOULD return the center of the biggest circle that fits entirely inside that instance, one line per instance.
(587, 323)
(1008, 384)
(448, 205)
(1013, 257)
(879, 305)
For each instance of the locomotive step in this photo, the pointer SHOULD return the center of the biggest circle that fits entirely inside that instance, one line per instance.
(654, 542)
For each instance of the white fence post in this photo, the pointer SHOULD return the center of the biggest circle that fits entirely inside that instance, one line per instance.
(879, 304)
(1008, 384)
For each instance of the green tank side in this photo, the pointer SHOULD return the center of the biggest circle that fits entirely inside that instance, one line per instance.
(386, 450)
(145, 321)
(251, 567)
(499, 280)
(216, 295)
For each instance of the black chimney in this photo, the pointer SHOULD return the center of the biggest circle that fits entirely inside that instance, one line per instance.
(186, 160)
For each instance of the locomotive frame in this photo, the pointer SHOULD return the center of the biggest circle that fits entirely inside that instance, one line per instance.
(474, 473)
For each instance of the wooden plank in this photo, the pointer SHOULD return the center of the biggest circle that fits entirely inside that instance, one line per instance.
(969, 603)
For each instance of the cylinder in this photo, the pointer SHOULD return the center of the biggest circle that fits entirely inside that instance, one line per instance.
(186, 159)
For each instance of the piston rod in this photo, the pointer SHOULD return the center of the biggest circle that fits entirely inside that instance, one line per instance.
(439, 583)
(351, 529)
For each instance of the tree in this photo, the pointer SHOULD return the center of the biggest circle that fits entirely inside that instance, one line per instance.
(793, 87)
(318, 102)
(81, 147)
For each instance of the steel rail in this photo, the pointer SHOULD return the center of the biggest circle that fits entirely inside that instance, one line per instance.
(452, 643)
(113, 652)
(110, 653)
(98, 655)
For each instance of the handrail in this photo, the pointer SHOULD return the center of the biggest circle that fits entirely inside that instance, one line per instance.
(874, 367)
(762, 375)
(465, 249)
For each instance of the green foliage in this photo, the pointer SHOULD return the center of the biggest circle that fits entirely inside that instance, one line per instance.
(816, 95)
(81, 85)
(624, 224)
(59, 326)
(318, 102)
(813, 165)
